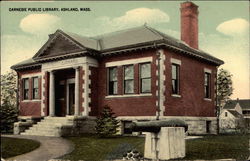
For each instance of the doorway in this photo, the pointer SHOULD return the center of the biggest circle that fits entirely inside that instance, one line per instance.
(71, 101)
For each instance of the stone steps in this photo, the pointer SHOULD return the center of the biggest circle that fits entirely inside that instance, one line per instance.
(48, 126)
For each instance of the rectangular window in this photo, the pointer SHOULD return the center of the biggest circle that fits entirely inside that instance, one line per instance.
(207, 85)
(112, 89)
(35, 94)
(175, 79)
(128, 79)
(145, 78)
(225, 114)
(26, 88)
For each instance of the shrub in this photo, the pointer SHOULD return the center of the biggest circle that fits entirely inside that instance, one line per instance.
(8, 116)
(106, 123)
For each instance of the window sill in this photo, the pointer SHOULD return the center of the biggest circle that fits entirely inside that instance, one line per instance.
(129, 95)
(35, 100)
(176, 95)
(207, 99)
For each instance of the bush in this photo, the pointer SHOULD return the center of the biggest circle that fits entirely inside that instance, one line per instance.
(8, 116)
(106, 123)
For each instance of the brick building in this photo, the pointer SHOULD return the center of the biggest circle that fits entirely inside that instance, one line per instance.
(139, 72)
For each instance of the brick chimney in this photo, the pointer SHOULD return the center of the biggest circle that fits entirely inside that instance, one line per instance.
(189, 23)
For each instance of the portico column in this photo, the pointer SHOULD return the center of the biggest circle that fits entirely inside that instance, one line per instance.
(77, 91)
(51, 94)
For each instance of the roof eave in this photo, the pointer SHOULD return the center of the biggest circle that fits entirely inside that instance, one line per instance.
(154, 44)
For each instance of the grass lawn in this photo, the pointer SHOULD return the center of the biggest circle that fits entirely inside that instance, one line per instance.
(92, 148)
(219, 147)
(12, 146)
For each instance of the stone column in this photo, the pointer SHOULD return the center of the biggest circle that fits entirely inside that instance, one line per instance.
(51, 94)
(77, 91)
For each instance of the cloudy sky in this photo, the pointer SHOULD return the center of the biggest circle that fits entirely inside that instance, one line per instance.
(223, 28)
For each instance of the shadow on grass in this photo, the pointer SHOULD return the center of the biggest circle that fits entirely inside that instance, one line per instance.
(13, 146)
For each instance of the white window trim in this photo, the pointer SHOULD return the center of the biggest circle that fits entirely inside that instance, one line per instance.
(176, 95)
(207, 99)
(206, 70)
(34, 100)
(129, 62)
(39, 75)
(129, 95)
(175, 61)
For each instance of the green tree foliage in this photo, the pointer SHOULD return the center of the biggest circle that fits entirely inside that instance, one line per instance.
(8, 110)
(224, 91)
(224, 86)
(106, 123)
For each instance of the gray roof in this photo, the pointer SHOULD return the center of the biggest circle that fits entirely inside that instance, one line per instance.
(26, 63)
(235, 113)
(84, 41)
(135, 37)
(244, 104)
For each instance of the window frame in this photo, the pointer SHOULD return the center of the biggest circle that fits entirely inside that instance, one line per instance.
(141, 79)
(33, 88)
(207, 85)
(177, 92)
(26, 90)
(108, 82)
(124, 80)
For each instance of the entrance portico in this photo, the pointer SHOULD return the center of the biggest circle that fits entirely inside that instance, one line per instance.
(62, 75)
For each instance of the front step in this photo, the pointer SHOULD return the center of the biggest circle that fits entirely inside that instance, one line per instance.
(49, 126)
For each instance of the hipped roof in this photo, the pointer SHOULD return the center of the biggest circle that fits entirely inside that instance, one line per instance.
(138, 37)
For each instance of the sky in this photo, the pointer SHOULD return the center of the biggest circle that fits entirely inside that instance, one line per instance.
(223, 28)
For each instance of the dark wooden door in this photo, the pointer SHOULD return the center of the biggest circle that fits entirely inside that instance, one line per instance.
(60, 100)
(71, 99)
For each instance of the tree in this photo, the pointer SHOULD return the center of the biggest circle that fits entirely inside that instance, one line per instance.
(106, 123)
(8, 110)
(224, 90)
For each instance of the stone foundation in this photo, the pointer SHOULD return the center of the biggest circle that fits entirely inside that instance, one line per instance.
(25, 123)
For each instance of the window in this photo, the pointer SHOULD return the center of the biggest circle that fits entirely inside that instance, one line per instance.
(35, 88)
(207, 85)
(112, 89)
(145, 78)
(129, 79)
(26, 88)
(225, 114)
(175, 79)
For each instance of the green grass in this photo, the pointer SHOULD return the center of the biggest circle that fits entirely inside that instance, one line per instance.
(12, 146)
(92, 148)
(218, 147)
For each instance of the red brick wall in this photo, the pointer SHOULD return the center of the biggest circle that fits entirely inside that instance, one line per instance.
(29, 107)
(189, 24)
(128, 106)
(192, 101)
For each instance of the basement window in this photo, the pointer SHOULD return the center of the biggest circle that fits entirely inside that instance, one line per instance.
(26, 88)
(128, 79)
(112, 82)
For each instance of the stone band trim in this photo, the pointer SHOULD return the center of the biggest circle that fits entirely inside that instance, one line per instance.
(129, 95)
(129, 61)
(206, 70)
(175, 61)
(31, 75)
